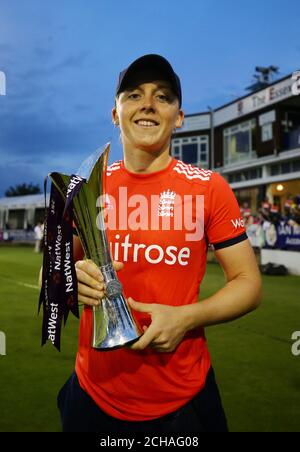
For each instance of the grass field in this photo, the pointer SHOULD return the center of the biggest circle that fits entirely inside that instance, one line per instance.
(259, 378)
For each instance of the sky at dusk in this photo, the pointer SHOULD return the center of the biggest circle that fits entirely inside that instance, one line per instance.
(62, 58)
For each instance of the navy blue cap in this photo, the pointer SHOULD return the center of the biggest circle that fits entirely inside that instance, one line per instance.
(153, 63)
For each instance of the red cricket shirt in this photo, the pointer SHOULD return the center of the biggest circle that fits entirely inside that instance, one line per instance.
(159, 225)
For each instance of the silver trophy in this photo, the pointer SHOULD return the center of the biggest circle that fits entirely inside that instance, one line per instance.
(114, 325)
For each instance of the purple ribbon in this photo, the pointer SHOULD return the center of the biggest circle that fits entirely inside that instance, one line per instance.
(59, 287)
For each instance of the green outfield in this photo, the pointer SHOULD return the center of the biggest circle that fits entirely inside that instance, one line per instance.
(258, 376)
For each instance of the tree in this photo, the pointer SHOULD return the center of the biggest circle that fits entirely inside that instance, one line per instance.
(23, 189)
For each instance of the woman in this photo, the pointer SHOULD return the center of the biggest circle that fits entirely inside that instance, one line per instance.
(163, 382)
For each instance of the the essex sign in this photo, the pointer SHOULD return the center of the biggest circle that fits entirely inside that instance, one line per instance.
(263, 98)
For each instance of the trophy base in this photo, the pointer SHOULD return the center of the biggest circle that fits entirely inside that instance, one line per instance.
(114, 326)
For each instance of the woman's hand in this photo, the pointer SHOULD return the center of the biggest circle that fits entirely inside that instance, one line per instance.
(90, 281)
(167, 327)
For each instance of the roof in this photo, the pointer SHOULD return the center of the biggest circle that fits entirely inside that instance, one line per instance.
(24, 202)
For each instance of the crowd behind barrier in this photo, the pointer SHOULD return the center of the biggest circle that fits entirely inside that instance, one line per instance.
(30, 235)
(17, 235)
(272, 228)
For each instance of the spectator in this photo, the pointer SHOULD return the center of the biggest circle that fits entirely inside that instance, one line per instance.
(275, 216)
(245, 210)
(38, 233)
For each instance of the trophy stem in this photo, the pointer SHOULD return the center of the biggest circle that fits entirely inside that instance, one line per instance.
(113, 323)
(114, 326)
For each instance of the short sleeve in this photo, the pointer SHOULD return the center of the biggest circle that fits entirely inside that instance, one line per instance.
(224, 226)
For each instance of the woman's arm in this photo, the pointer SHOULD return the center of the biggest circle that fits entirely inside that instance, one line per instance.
(240, 295)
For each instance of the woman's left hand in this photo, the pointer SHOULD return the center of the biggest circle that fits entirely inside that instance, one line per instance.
(167, 327)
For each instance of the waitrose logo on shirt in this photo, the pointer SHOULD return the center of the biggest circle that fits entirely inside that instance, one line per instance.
(154, 254)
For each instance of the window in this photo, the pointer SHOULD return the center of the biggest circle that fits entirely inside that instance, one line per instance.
(296, 165)
(176, 152)
(203, 152)
(274, 170)
(254, 173)
(193, 150)
(238, 142)
(291, 131)
(285, 168)
(266, 123)
(16, 218)
(190, 152)
(266, 132)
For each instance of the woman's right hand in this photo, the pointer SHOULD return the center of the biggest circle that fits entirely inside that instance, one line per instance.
(91, 288)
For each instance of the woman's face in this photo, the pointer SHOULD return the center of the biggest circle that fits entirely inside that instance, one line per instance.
(147, 115)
